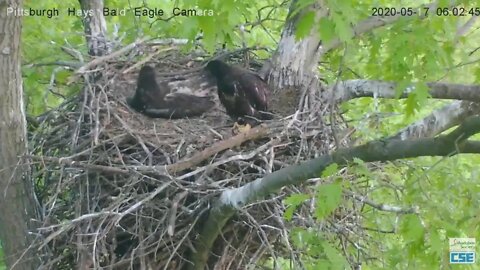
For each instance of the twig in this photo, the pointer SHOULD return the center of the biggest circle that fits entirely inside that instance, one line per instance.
(230, 159)
(79, 164)
(383, 207)
(97, 61)
(255, 133)
(146, 59)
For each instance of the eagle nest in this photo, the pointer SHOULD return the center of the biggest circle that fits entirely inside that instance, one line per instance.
(119, 190)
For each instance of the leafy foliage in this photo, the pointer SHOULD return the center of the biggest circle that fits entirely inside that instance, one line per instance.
(328, 198)
(315, 246)
(2, 264)
(411, 52)
(293, 201)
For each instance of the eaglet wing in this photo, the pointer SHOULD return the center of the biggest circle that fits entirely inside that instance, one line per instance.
(256, 90)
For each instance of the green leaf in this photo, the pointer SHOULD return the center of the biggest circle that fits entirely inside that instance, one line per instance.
(209, 29)
(417, 98)
(358, 161)
(411, 105)
(361, 169)
(296, 199)
(412, 228)
(322, 264)
(329, 197)
(395, 256)
(299, 6)
(476, 73)
(422, 93)
(2, 260)
(401, 87)
(293, 202)
(304, 25)
(334, 256)
(330, 170)
(288, 214)
(342, 27)
(436, 243)
(301, 237)
(326, 29)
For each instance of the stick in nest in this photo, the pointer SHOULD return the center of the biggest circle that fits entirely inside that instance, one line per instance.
(237, 140)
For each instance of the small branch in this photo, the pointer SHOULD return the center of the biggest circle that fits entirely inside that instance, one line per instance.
(384, 207)
(246, 156)
(255, 133)
(137, 205)
(146, 59)
(79, 164)
(168, 41)
(75, 54)
(378, 230)
(68, 64)
(99, 60)
(68, 225)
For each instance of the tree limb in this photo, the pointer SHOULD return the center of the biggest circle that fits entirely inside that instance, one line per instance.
(378, 150)
(438, 121)
(351, 89)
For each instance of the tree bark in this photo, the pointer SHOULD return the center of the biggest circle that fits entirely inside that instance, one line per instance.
(351, 89)
(95, 28)
(295, 61)
(16, 189)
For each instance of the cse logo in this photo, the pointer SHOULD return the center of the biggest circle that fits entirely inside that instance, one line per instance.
(462, 257)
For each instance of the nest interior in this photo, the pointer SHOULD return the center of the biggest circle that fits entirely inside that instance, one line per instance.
(124, 191)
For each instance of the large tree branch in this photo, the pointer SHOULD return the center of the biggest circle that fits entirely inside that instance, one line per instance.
(351, 89)
(295, 61)
(438, 121)
(379, 150)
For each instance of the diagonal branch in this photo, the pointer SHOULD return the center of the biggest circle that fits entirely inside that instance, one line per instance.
(378, 150)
